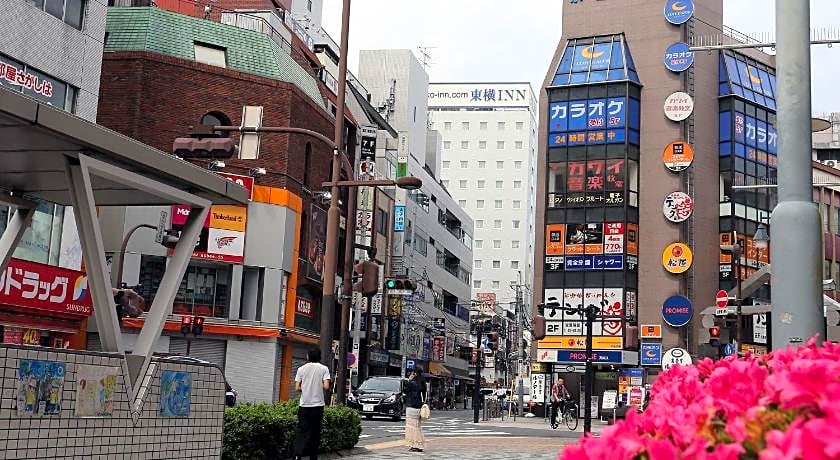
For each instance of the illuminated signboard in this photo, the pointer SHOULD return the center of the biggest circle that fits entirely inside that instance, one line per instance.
(593, 122)
(593, 183)
(748, 137)
(584, 247)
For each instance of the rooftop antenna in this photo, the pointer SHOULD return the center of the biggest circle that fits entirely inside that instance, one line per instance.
(425, 56)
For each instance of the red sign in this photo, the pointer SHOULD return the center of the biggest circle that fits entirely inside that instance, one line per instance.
(722, 298)
(245, 181)
(13, 335)
(304, 307)
(45, 287)
(439, 348)
(181, 212)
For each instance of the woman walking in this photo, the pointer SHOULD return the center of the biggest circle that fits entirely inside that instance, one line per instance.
(415, 395)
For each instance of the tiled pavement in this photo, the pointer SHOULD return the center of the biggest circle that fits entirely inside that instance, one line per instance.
(468, 448)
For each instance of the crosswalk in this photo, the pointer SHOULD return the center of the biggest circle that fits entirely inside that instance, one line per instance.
(436, 426)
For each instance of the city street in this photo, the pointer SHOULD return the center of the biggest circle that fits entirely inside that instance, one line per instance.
(452, 433)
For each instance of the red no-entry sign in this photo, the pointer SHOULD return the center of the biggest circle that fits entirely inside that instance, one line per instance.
(722, 299)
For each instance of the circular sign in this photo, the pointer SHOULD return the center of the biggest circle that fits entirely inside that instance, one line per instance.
(722, 299)
(675, 357)
(678, 156)
(678, 57)
(677, 258)
(677, 207)
(351, 358)
(678, 106)
(677, 310)
(678, 11)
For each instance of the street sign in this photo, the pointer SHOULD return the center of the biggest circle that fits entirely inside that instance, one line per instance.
(677, 310)
(651, 354)
(161, 229)
(721, 300)
(675, 357)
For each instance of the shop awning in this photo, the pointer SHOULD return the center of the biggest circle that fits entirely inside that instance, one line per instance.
(439, 370)
(460, 374)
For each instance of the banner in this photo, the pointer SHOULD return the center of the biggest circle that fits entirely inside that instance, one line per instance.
(392, 340)
(223, 236)
(45, 287)
(439, 348)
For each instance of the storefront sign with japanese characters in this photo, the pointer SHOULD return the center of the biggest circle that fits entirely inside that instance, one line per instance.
(567, 330)
(45, 287)
(677, 207)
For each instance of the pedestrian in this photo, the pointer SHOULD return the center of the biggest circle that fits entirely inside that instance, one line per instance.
(312, 379)
(559, 396)
(415, 395)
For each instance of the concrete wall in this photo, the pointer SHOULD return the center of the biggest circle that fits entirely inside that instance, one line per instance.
(126, 434)
(57, 49)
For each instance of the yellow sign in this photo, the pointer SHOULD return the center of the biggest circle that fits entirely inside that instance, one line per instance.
(569, 342)
(677, 258)
(228, 217)
(31, 337)
(539, 368)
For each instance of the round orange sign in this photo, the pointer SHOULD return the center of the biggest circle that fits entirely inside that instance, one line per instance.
(677, 258)
(678, 156)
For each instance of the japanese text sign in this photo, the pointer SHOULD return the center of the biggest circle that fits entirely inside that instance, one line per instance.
(677, 258)
(677, 207)
(45, 287)
(588, 122)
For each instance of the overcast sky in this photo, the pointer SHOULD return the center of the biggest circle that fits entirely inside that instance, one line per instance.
(500, 40)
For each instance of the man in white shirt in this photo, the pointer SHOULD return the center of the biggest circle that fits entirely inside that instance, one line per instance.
(312, 379)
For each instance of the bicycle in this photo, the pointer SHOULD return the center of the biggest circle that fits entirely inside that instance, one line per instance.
(569, 416)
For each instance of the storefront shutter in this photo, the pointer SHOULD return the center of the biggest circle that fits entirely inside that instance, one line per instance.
(209, 350)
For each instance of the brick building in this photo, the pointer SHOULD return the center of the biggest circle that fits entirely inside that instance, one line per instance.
(164, 73)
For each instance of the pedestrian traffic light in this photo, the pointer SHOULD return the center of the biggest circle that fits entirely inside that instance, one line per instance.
(369, 283)
(493, 341)
(714, 335)
(186, 324)
(198, 325)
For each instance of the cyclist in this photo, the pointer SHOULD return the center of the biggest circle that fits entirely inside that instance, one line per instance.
(559, 396)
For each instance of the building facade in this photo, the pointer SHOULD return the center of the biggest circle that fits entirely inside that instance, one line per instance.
(489, 133)
(57, 61)
(432, 241)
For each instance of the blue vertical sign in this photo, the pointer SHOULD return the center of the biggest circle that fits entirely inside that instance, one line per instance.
(399, 218)
(651, 354)
(558, 117)
(616, 112)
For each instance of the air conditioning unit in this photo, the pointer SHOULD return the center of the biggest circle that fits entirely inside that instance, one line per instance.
(830, 163)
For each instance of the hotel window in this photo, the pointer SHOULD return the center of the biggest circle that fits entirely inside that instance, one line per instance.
(479, 224)
(69, 11)
(447, 145)
(501, 126)
(447, 125)
(500, 184)
(497, 264)
(462, 183)
(497, 244)
(482, 145)
(479, 244)
(497, 204)
(515, 224)
(465, 125)
(465, 164)
(480, 183)
(482, 126)
(517, 184)
(479, 204)
(465, 144)
(514, 264)
(495, 285)
(477, 263)
(517, 204)
(497, 223)
(518, 145)
(500, 145)
(482, 164)
(517, 164)
(477, 284)
(520, 126)
(514, 244)
(462, 204)
(500, 165)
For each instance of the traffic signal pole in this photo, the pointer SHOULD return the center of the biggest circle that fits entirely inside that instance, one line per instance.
(479, 357)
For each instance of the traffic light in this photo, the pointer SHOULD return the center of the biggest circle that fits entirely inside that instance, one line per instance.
(714, 335)
(186, 324)
(400, 285)
(203, 145)
(198, 325)
(493, 341)
(170, 239)
(539, 327)
(369, 283)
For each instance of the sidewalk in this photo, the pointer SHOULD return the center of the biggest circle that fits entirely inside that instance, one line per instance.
(541, 423)
(526, 447)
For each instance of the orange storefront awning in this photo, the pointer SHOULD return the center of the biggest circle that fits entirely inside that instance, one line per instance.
(439, 370)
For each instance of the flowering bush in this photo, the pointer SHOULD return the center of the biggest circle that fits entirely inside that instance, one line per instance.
(780, 406)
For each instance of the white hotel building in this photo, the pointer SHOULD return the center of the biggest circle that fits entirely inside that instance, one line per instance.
(489, 135)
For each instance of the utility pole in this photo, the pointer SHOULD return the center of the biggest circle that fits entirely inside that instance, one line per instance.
(518, 333)
(797, 279)
(479, 357)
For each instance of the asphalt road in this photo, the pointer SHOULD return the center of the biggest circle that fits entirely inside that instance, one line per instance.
(459, 423)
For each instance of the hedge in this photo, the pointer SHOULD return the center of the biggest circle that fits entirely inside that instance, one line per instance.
(267, 431)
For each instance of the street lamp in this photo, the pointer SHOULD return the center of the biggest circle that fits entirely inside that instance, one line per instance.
(590, 312)
(735, 250)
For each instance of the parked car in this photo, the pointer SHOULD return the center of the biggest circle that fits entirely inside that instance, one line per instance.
(379, 396)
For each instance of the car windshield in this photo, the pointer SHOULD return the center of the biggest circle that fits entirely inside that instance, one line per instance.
(385, 385)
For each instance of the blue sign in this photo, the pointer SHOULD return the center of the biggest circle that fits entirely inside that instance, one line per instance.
(728, 349)
(573, 356)
(753, 139)
(589, 122)
(637, 372)
(678, 57)
(677, 310)
(679, 11)
(609, 262)
(399, 218)
(577, 263)
(651, 354)
(409, 364)
(593, 57)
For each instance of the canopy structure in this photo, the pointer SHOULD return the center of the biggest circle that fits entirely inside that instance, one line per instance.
(51, 155)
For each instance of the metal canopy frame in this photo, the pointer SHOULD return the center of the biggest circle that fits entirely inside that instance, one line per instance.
(51, 155)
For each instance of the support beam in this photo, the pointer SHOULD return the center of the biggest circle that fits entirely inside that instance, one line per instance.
(93, 251)
(14, 232)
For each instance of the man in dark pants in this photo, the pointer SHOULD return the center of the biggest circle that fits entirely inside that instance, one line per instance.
(312, 379)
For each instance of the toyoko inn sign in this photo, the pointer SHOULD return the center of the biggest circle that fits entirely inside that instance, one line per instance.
(480, 95)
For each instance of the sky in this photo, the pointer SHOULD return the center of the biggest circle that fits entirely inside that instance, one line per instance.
(504, 41)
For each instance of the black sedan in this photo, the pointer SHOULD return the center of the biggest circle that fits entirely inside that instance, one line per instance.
(379, 396)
